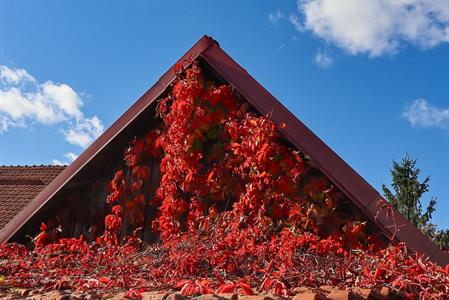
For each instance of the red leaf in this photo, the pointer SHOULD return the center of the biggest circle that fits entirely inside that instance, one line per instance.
(104, 279)
(131, 160)
(117, 210)
(141, 172)
(133, 294)
(180, 284)
(225, 288)
(113, 223)
(43, 227)
(245, 289)
(177, 68)
(41, 239)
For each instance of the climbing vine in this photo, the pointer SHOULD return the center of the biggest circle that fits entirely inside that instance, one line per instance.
(236, 209)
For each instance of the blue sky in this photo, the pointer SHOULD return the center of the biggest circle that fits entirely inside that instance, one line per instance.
(373, 88)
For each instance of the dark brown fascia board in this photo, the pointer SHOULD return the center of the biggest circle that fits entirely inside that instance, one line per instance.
(106, 138)
(363, 195)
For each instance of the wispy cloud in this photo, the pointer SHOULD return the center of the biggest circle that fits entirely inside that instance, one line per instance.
(294, 19)
(84, 131)
(10, 76)
(375, 27)
(323, 59)
(422, 114)
(70, 158)
(275, 17)
(280, 47)
(57, 162)
(25, 101)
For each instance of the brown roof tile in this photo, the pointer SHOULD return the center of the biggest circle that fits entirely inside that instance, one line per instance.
(19, 185)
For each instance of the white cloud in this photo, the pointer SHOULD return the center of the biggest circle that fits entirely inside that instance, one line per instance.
(84, 132)
(323, 59)
(10, 76)
(57, 162)
(376, 27)
(422, 114)
(25, 101)
(64, 97)
(70, 156)
(275, 17)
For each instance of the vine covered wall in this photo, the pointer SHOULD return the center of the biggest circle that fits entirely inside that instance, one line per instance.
(214, 199)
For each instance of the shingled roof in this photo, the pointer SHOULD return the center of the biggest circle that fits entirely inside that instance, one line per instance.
(358, 190)
(20, 184)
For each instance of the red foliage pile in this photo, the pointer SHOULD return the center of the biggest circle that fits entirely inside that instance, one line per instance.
(237, 209)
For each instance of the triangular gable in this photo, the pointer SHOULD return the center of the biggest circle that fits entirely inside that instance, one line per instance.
(362, 194)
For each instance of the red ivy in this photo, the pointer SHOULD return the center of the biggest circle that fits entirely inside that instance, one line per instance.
(238, 210)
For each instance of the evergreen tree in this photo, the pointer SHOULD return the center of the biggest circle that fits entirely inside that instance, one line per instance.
(407, 195)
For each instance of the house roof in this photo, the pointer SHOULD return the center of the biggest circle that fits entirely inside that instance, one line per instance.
(360, 192)
(20, 184)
